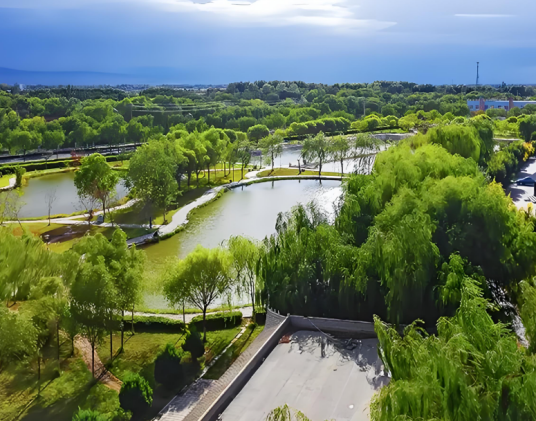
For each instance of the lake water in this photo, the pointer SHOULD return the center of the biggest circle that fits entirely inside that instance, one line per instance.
(291, 154)
(250, 211)
(35, 193)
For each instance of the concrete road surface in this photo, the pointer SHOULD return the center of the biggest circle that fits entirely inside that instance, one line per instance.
(323, 380)
(520, 194)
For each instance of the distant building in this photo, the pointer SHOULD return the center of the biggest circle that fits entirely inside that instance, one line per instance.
(485, 104)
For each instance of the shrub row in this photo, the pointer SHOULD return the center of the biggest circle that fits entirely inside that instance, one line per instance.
(218, 321)
(215, 321)
(152, 324)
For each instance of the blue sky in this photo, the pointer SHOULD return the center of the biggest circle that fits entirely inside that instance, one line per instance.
(221, 41)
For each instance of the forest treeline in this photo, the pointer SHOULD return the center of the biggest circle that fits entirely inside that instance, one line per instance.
(74, 117)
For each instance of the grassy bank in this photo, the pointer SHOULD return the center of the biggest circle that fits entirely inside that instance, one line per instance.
(4, 180)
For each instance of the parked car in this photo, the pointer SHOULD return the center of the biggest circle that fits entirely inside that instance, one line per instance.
(527, 181)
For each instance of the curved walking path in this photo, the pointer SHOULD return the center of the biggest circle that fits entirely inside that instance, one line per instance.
(78, 219)
(181, 216)
(101, 374)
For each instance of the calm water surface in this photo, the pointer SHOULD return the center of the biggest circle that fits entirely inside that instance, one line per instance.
(251, 211)
(35, 193)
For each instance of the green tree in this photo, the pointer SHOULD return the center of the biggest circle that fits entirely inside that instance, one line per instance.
(316, 149)
(472, 368)
(215, 141)
(193, 343)
(285, 413)
(24, 140)
(24, 262)
(96, 179)
(136, 393)
(527, 126)
(152, 174)
(54, 137)
(202, 277)
(340, 149)
(93, 302)
(19, 173)
(244, 151)
(257, 132)
(457, 139)
(246, 257)
(167, 367)
(18, 337)
(271, 146)
(124, 266)
(89, 415)
(196, 153)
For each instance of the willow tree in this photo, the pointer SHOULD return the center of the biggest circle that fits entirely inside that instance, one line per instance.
(23, 262)
(272, 147)
(246, 256)
(472, 369)
(317, 149)
(286, 413)
(340, 149)
(200, 278)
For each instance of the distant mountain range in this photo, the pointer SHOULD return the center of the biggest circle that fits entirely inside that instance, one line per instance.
(25, 77)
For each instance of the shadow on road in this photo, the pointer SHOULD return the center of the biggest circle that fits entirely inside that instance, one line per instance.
(363, 352)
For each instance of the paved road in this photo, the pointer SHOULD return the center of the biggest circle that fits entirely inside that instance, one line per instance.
(520, 194)
(313, 375)
(82, 219)
(64, 153)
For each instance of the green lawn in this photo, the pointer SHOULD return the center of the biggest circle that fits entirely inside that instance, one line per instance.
(217, 178)
(241, 344)
(60, 395)
(137, 214)
(4, 180)
(292, 171)
(37, 228)
(141, 349)
(63, 394)
(39, 173)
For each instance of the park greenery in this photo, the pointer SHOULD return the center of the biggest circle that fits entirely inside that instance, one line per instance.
(423, 235)
(51, 118)
(54, 303)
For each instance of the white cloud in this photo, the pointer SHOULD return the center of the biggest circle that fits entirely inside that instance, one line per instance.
(337, 14)
(482, 16)
(327, 13)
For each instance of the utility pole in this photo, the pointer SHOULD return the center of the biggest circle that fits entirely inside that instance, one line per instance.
(477, 75)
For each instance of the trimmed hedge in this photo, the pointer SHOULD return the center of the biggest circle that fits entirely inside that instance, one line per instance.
(152, 324)
(219, 321)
